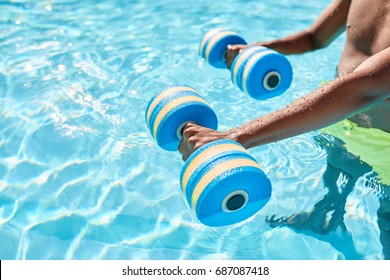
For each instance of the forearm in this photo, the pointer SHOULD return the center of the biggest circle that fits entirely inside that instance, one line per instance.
(324, 29)
(329, 104)
(298, 43)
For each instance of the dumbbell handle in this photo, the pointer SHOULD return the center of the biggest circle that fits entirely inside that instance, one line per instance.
(169, 111)
(214, 45)
(260, 72)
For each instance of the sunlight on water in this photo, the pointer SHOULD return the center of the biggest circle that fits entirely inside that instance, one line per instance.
(80, 176)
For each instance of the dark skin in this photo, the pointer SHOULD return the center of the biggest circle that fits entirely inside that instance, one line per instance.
(361, 92)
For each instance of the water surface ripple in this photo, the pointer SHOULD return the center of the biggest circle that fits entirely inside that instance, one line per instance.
(80, 176)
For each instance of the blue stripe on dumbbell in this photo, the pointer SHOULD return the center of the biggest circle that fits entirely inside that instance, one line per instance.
(206, 39)
(254, 58)
(217, 162)
(162, 101)
(173, 107)
(215, 46)
(214, 173)
(197, 112)
(210, 145)
(272, 65)
(216, 56)
(203, 153)
(240, 61)
(169, 91)
(210, 39)
(199, 176)
(249, 185)
(195, 175)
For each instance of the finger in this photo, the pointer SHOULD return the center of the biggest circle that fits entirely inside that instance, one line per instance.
(189, 130)
(234, 47)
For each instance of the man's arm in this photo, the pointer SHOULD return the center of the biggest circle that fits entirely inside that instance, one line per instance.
(335, 101)
(328, 25)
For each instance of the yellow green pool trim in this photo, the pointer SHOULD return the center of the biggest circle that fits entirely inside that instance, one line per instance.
(371, 145)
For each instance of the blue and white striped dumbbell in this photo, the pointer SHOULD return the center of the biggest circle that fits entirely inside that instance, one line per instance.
(258, 71)
(221, 181)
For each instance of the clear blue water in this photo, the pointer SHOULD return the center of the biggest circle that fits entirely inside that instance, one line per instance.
(81, 178)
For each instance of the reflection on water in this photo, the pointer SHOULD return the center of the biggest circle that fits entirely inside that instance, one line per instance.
(80, 177)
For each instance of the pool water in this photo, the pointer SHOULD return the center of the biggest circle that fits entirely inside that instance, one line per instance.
(80, 176)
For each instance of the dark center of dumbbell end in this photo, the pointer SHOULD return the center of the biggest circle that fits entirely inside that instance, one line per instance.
(235, 202)
(182, 131)
(273, 81)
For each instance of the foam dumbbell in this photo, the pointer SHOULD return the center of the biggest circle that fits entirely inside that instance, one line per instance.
(221, 181)
(169, 111)
(258, 71)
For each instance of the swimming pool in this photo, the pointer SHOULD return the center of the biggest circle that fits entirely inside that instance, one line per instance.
(80, 176)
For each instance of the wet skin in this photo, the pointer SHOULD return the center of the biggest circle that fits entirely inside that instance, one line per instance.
(367, 24)
(361, 92)
(368, 33)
